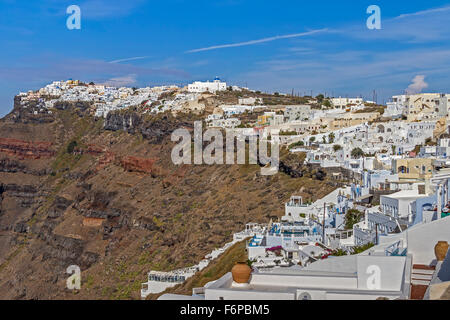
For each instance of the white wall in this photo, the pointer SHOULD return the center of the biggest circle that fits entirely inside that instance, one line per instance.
(227, 294)
(391, 271)
(422, 239)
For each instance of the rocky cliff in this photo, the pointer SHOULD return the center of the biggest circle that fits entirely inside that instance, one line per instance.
(104, 195)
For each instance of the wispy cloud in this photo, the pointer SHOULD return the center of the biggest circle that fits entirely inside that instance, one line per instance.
(353, 72)
(122, 81)
(129, 59)
(423, 12)
(253, 42)
(417, 27)
(424, 50)
(40, 70)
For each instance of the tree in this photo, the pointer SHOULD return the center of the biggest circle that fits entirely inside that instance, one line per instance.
(337, 147)
(352, 217)
(324, 139)
(331, 137)
(327, 103)
(357, 153)
(320, 98)
(312, 139)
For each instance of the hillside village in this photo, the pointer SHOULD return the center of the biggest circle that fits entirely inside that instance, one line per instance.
(392, 208)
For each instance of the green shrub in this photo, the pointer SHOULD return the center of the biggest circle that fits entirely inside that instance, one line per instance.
(361, 249)
(71, 146)
(297, 144)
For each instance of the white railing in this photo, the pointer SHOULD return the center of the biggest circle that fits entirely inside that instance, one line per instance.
(363, 237)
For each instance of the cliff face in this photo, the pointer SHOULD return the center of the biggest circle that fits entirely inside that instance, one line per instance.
(134, 164)
(128, 122)
(145, 125)
(105, 196)
(26, 149)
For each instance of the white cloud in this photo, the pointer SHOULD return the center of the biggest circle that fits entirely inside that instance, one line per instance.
(417, 85)
(121, 81)
(252, 42)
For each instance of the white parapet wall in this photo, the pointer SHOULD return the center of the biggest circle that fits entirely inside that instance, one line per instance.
(422, 239)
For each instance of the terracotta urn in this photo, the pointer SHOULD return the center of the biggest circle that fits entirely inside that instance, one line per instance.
(241, 272)
(441, 250)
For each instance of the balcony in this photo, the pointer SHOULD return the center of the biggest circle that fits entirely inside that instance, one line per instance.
(295, 202)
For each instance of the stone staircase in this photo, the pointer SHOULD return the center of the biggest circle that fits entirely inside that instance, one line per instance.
(420, 280)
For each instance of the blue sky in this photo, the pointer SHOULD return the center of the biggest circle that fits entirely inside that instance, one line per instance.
(323, 46)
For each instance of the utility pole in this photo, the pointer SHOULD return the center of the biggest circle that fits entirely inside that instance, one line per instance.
(376, 233)
(324, 209)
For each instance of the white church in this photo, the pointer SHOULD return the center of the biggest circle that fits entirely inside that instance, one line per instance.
(208, 86)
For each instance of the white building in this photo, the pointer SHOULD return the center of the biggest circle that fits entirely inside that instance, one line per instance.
(398, 205)
(229, 123)
(300, 113)
(212, 87)
(230, 110)
(396, 107)
(344, 102)
(393, 269)
(250, 101)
